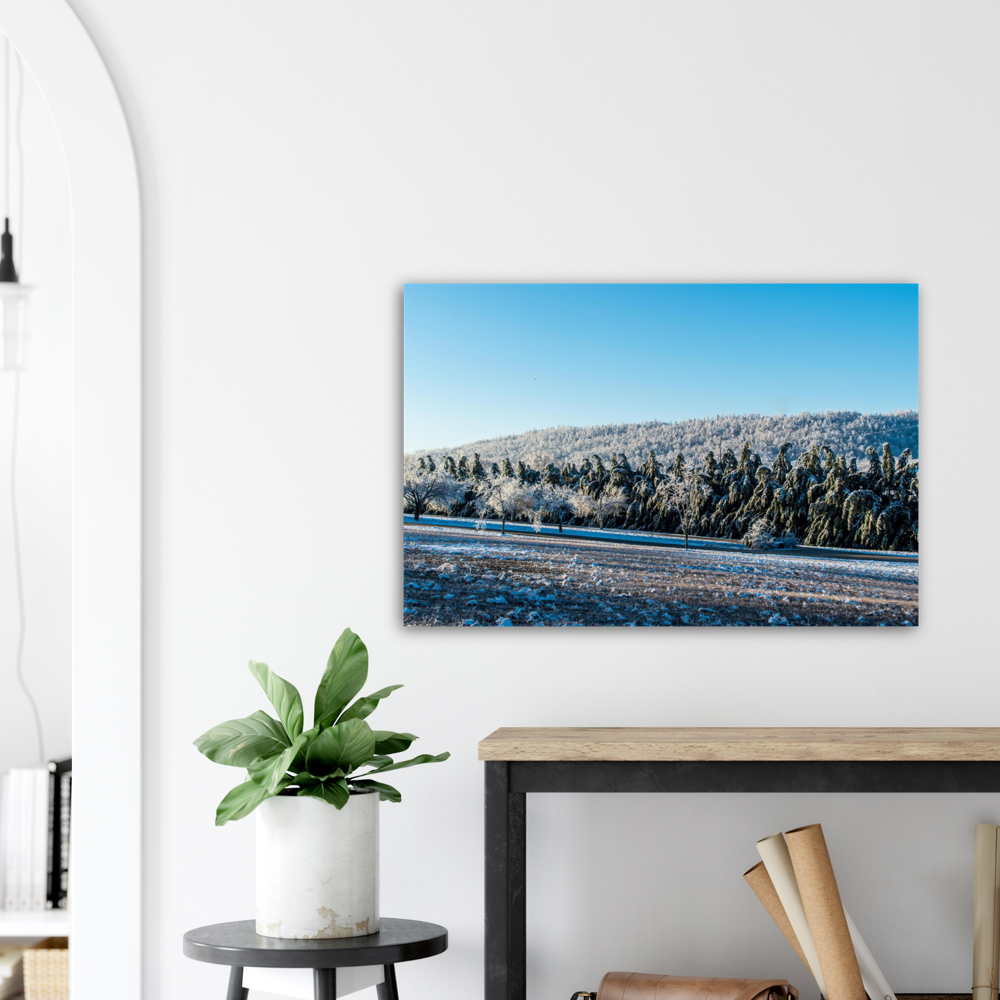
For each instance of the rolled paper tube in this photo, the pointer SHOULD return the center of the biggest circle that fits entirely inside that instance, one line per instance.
(876, 985)
(825, 913)
(773, 852)
(985, 922)
(758, 880)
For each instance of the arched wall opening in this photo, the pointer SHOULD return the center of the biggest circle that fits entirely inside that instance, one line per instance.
(105, 507)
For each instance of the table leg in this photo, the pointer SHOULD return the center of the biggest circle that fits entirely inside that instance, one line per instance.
(387, 988)
(506, 930)
(236, 991)
(325, 984)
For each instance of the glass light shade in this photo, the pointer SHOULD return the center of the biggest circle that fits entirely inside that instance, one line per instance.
(15, 324)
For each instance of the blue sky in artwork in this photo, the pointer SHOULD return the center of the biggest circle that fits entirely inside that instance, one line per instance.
(484, 360)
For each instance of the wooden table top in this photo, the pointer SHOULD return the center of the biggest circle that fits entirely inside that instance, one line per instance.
(742, 744)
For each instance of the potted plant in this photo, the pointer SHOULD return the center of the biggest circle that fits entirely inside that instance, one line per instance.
(317, 812)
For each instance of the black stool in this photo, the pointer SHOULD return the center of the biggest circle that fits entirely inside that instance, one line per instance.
(237, 944)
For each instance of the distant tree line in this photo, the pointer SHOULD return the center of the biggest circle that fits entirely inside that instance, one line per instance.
(846, 432)
(819, 498)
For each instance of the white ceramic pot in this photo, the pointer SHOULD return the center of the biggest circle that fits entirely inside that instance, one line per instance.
(317, 867)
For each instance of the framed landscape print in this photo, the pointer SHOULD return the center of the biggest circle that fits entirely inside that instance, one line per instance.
(660, 455)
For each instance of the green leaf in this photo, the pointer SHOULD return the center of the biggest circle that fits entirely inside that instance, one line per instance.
(376, 760)
(299, 760)
(364, 707)
(321, 754)
(335, 792)
(304, 779)
(261, 770)
(271, 772)
(346, 745)
(242, 800)
(386, 793)
(386, 742)
(283, 696)
(240, 742)
(346, 673)
(424, 758)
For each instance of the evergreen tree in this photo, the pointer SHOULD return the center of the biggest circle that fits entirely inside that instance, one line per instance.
(822, 497)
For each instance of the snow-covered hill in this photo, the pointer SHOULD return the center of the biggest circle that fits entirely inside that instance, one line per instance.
(847, 433)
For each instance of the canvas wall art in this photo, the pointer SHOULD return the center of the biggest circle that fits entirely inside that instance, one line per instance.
(660, 455)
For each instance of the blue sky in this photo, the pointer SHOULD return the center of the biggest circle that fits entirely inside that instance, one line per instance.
(483, 360)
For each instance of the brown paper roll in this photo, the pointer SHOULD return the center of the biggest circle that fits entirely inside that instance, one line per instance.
(825, 913)
(985, 918)
(758, 880)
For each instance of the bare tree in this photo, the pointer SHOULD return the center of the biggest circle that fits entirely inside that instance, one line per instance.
(607, 503)
(425, 490)
(505, 497)
(557, 502)
(682, 496)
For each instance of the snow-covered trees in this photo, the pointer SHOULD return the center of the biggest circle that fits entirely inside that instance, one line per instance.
(820, 497)
(426, 489)
(759, 536)
(609, 503)
(556, 502)
(683, 495)
(505, 497)
(846, 432)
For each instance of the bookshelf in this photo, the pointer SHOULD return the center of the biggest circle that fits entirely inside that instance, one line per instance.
(42, 924)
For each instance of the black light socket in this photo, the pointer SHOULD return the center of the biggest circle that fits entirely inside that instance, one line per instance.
(8, 272)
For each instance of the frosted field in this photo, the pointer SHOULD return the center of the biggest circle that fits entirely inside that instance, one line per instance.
(463, 577)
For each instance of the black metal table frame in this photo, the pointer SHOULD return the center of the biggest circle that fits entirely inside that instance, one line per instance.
(509, 782)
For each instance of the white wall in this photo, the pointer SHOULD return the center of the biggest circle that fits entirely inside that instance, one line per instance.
(43, 466)
(299, 162)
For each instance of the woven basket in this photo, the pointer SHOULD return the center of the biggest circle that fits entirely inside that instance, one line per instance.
(46, 970)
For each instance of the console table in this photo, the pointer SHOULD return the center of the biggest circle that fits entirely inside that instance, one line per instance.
(519, 761)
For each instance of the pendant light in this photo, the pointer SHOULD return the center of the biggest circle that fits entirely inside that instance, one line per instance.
(12, 292)
(15, 307)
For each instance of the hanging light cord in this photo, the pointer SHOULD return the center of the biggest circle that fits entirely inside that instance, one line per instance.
(22, 617)
(19, 250)
(15, 523)
(6, 125)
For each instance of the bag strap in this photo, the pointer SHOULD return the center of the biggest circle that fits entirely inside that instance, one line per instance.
(759, 986)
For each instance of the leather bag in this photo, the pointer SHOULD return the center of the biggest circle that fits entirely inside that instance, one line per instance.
(650, 986)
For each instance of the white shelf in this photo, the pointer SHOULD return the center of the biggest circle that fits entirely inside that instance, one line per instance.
(42, 924)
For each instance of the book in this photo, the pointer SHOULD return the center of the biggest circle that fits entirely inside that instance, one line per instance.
(64, 771)
(58, 831)
(35, 805)
(10, 824)
(23, 806)
(41, 815)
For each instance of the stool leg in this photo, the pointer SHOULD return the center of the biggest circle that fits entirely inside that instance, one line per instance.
(236, 991)
(325, 984)
(387, 988)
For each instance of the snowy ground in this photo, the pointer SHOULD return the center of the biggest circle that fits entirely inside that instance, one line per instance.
(459, 577)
